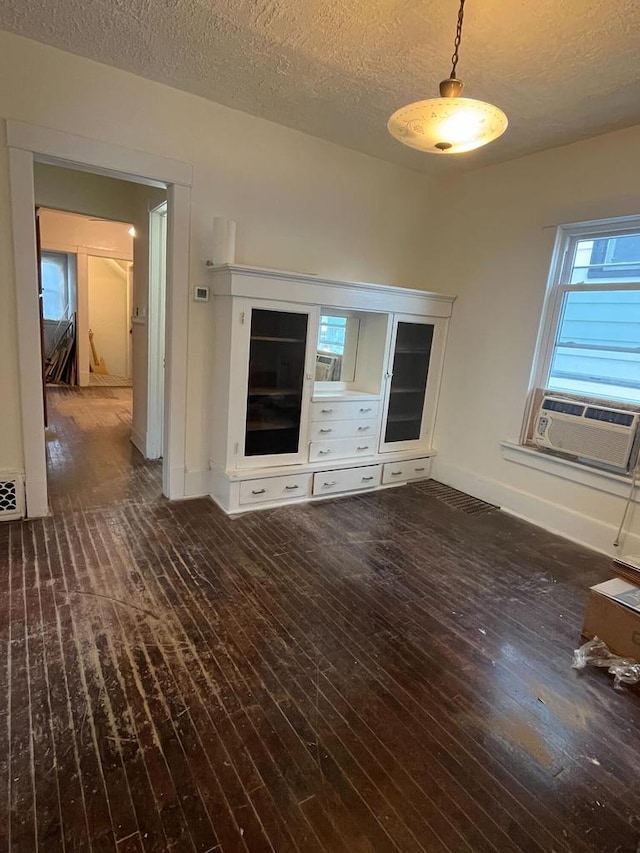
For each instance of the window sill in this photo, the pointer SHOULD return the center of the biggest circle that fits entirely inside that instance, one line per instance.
(603, 481)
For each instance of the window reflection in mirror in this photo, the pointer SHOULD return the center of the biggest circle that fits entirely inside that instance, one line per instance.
(337, 347)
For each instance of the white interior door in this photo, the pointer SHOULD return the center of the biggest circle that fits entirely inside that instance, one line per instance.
(156, 330)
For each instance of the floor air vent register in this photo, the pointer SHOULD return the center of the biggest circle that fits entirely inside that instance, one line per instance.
(454, 498)
(11, 496)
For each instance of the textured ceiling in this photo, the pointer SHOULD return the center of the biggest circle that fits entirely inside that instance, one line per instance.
(562, 70)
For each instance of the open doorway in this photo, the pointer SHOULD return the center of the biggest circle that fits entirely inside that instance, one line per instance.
(29, 144)
(102, 299)
(86, 273)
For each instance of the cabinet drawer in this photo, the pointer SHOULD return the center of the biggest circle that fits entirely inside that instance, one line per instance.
(401, 472)
(330, 482)
(344, 410)
(342, 448)
(275, 488)
(322, 430)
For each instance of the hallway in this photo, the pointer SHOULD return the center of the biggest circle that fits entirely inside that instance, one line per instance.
(383, 672)
(90, 459)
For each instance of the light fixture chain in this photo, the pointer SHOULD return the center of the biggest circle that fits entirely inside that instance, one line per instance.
(458, 39)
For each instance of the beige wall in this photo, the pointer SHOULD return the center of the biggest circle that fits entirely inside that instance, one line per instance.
(300, 203)
(10, 423)
(82, 192)
(108, 311)
(496, 257)
(73, 233)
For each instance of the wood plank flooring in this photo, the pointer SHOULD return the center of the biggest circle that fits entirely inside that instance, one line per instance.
(368, 674)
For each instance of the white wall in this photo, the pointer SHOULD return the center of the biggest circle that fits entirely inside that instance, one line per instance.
(300, 203)
(496, 256)
(108, 311)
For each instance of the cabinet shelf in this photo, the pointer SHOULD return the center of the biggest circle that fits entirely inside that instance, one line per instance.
(274, 339)
(274, 392)
(408, 390)
(411, 350)
(396, 419)
(262, 426)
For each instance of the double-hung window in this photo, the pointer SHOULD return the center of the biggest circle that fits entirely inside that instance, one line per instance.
(590, 337)
(56, 286)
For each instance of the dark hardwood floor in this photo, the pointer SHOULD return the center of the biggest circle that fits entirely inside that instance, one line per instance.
(374, 673)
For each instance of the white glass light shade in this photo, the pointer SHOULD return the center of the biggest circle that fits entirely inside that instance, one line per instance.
(447, 125)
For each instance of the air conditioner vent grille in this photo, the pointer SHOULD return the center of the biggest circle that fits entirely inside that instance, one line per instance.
(581, 439)
(564, 406)
(609, 416)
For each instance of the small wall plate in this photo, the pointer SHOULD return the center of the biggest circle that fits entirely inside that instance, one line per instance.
(200, 293)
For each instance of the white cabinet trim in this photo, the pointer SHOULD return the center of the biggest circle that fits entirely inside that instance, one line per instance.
(256, 283)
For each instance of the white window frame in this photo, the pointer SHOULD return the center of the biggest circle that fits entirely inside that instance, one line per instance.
(329, 317)
(69, 284)
(557, 286)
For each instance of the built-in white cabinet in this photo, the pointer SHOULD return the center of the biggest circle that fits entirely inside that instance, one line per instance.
(320, 387)
(413, 378)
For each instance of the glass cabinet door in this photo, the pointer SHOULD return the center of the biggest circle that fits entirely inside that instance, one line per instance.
(411, 355)
(278, 343)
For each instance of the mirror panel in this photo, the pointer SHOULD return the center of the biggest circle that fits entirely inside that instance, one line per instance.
(337, 347)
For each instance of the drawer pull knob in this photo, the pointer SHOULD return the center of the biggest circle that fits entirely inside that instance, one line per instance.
(326, 430)
(396, 473)
(323, 452)
(363, 429)
(365, 479)
(332, 483)
(258, 491)
(326, 411)
(419, 470)
(365, 410)
(365, 447)
(291, 488)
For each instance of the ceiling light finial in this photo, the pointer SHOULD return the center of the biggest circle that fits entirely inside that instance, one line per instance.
(449, 124)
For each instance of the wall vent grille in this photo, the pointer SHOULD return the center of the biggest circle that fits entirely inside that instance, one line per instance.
(11, 495)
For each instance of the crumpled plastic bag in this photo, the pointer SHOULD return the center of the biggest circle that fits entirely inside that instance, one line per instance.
(597, 653)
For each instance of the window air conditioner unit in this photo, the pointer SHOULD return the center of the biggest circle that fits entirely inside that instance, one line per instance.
(328, 367)
(598, 435)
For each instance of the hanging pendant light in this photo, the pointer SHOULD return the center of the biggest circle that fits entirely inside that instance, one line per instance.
(449, 124)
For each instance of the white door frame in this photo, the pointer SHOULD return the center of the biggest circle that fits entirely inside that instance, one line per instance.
(155, 329)
(27, 143)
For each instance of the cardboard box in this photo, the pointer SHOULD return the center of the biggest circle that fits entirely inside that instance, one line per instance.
(628, 567)
(613, 614)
